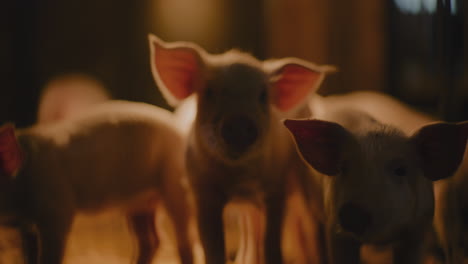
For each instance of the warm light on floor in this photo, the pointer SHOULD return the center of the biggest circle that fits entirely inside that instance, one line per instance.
(105, 239)
(94, 239)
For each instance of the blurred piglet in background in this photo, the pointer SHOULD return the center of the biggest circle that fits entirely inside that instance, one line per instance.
(61, 98)
(376, 181)
(115, 155)
(68, 95)
(237, 147)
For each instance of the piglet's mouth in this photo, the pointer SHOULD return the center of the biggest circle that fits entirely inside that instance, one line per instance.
(238, 155)
(367, 238)
(379, 241)
(359, 222)
(355, 219)
(373, 237)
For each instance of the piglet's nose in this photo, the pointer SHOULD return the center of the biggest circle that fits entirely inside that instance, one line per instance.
(238, 132)
(354, 219)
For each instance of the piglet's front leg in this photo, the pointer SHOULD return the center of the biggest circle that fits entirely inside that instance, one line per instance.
(53, 219)
(30, 244)
(274, 223)
(53, 233)
(210, 205)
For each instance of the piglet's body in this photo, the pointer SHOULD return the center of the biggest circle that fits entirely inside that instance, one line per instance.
(118, 154)
(382, 107)
(376, 181)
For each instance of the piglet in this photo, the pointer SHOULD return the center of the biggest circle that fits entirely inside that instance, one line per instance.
(63, 97)
(376, 181)
(237, 146)
(118, 154)
(67, 95)
(450, 216)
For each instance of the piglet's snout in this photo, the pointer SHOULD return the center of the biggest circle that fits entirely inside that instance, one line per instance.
(354, 219)
(238, 132)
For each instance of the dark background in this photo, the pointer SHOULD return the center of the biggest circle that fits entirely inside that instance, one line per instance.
(417, 56)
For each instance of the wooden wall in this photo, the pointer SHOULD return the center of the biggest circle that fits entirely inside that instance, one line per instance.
(41, 39)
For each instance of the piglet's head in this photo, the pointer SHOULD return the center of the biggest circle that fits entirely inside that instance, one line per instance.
(237, 94)
(11, 156)
(382, 180)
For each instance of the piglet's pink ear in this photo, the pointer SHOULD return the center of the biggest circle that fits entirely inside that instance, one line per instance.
(294, 80)
(321, 143)
(441, 146)
(11, 156)
(176, 68)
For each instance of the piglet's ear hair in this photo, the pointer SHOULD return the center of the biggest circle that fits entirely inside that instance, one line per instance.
(293, 80)
(176, 68)
(321, 143)
(441, 146)
(11, 155)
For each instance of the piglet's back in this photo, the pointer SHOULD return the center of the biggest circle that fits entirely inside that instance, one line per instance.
(355, 121)
(105, 155)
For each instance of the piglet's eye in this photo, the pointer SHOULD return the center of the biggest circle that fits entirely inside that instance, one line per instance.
(398, 170)
(399, 173)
